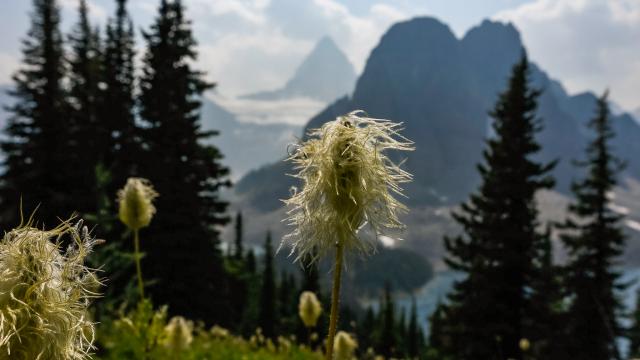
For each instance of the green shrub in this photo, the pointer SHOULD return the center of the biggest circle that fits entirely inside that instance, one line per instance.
(145, 333)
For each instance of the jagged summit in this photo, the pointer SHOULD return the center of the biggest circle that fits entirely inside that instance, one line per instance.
(325, 74)
(442, 88)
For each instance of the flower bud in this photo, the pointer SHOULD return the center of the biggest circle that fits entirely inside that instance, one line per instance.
(309, 308)
(136, 203)
(178, 334)
(344, 346)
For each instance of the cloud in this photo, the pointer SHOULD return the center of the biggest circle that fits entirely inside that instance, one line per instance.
(8, 65)
(250, 11)
(249, 45)
(587, 44)
(96, 12)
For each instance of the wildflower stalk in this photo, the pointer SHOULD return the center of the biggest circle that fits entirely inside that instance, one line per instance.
(348, 182)
(335, 300)
(136, 211)
(136, 244)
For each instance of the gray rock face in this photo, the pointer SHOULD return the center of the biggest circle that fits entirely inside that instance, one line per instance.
(246, 146)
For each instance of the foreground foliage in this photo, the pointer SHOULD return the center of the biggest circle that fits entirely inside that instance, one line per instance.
(145, 333)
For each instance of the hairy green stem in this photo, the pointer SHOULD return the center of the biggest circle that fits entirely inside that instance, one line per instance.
(136, 242)
(335, 301)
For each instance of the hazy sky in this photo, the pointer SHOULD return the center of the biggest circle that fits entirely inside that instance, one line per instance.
(249, 45)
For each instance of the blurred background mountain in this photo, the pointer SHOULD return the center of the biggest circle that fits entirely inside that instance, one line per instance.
(441, 88)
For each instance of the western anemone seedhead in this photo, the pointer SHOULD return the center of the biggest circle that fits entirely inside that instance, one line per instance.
(344, 346)
(348, 182)
(178, 334)
(136, 203)
(309, 309)
(45, 293)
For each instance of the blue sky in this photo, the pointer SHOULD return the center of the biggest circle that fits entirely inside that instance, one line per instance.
(249, 45)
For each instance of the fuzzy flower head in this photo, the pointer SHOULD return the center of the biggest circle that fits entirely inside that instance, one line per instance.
(348, 182)
(45, 293)
(309, 309)
(179, 334)
(136, 203)
(344, 346)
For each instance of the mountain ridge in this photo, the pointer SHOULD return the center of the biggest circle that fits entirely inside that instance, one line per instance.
(441, 88)
(325, 74)
(245, 145)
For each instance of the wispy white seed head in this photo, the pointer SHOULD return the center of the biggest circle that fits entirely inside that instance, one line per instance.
(178, 334)
(344, 346)
(136, 203)
(348, 182)
(45, 293)
(309, 308)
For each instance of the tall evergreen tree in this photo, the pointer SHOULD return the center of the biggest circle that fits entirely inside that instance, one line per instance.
(115, 151)
(267, 314)
(439, 347)
(488, 311)
(310, 276)
(401, 334)
(118, 135)
(634, 330)
(366, 330)
(36, 168)
(84, 78)
(186, 173)
(594, 240)
(548, 339)
(250, 262)
(239, 247)
(413, 332)
(387, 341)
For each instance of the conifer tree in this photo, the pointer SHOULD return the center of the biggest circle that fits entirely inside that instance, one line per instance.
(119, 138)
(84, 78)
(267, 311)
(387, 340)
(401, 334)
(287, 304)
(488, 312)
(250, 262)
(36, 168)
(187, 175)
(239, 247)
(594, 240)
(547, 337)
(310, 277)
(634, 330)
(413, 332)
(439, 342)
(366, 329)
(115, 151)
